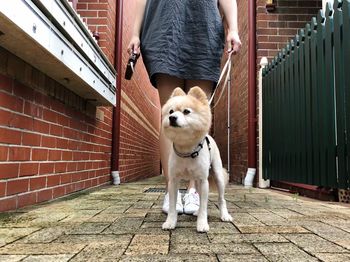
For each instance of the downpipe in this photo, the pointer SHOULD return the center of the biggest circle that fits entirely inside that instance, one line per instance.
(252, 163)
(116, 109)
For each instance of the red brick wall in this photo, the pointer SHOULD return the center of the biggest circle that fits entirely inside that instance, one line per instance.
(139, 153)
(140, 120)
(51, 143)
(275, 28)
(238, 106)
(100, 16)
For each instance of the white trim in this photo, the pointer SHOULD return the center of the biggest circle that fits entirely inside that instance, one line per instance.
(67, 55)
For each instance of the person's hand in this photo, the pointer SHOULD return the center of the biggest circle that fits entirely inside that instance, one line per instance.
(233, 42)
(134, 45)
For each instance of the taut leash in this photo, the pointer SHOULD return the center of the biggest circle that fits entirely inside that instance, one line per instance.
(226, 70)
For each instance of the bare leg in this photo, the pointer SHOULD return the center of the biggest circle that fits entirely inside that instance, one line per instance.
(166, 85)
(207, 87)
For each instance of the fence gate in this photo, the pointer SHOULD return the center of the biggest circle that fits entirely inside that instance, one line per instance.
(306, 104)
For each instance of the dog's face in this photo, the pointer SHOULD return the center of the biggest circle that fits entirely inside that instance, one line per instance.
(186, 118)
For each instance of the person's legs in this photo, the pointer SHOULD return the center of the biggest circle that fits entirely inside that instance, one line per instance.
(191, 199)
(166, 85)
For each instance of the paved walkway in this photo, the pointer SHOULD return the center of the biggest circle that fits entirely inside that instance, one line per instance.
(124, 224)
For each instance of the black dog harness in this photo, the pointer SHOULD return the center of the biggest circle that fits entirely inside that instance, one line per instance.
(195, 152)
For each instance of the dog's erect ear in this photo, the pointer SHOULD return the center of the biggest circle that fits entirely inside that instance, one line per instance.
(178, 92)
(199, 94)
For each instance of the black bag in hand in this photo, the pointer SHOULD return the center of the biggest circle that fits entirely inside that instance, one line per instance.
(130, 68)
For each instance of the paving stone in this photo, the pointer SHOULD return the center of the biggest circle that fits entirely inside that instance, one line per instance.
(124, 225)
(89, 228)
(45, 235)
(188, 236)
(333, 257)
(100, 252)
(104, 218)
(222, 228)
(48, 258)
(11, 258)
(240, 258)
(170, 258)
(36, 249)
(88, 239)
(8, 235)
(272, 229)
(190, 249)
(245, 238)
(314, 244)
(283, 252)
(243, 248)
(148, 244)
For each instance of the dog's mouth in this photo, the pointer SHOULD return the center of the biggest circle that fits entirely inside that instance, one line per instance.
(176, 125)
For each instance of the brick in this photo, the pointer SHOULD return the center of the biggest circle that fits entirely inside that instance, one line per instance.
(8, 204)
(23, 91)
(55, 155)
(30, 139)
(66, 178)
(44, 195)
(40, 126)
(58, 191)
(9, 136)
(19, 153)
(23, 122)
(47, 141)
(8, 170)
(60, 167)
(39, 154)
(17, 186)
(6, 83)
(28, 169)
(53, 180)
(49, 116)
(2, 189)
(46, 168)
(3, 153)
(37, 183)
(32, 110)
(11, 102)
(67, 155)
(26, 199)
(56, 130)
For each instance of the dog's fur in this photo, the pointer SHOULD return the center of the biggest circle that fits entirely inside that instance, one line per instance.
(190, 123)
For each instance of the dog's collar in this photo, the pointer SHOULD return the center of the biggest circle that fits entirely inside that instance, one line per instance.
(195, 152)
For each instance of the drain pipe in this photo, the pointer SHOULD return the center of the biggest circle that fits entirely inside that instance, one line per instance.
(248, 181)
(116, 109)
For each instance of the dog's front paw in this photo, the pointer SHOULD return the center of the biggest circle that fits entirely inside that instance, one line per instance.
(202, 227)
(167, 225)
(226, 217)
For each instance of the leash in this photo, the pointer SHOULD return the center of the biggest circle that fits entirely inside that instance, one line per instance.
(225, 71)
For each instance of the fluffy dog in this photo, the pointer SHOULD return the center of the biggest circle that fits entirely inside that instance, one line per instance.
(186, 122)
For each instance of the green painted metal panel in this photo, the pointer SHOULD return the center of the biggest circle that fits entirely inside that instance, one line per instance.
(306, 89)
(346, 53)
(329, 106)
(340, 92)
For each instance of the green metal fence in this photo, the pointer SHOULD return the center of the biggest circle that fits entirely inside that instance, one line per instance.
(306, 104)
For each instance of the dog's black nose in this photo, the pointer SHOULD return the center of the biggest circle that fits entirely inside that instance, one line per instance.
(172, 120)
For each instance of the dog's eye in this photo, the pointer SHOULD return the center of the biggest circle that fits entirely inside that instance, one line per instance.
(186, 112)
(171, 111)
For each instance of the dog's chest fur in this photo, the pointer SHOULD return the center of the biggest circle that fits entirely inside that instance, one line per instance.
(191, 168)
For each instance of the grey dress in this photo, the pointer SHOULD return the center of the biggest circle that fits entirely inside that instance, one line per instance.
(182, 38)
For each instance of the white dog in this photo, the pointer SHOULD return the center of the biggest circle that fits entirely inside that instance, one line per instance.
(186, 122)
